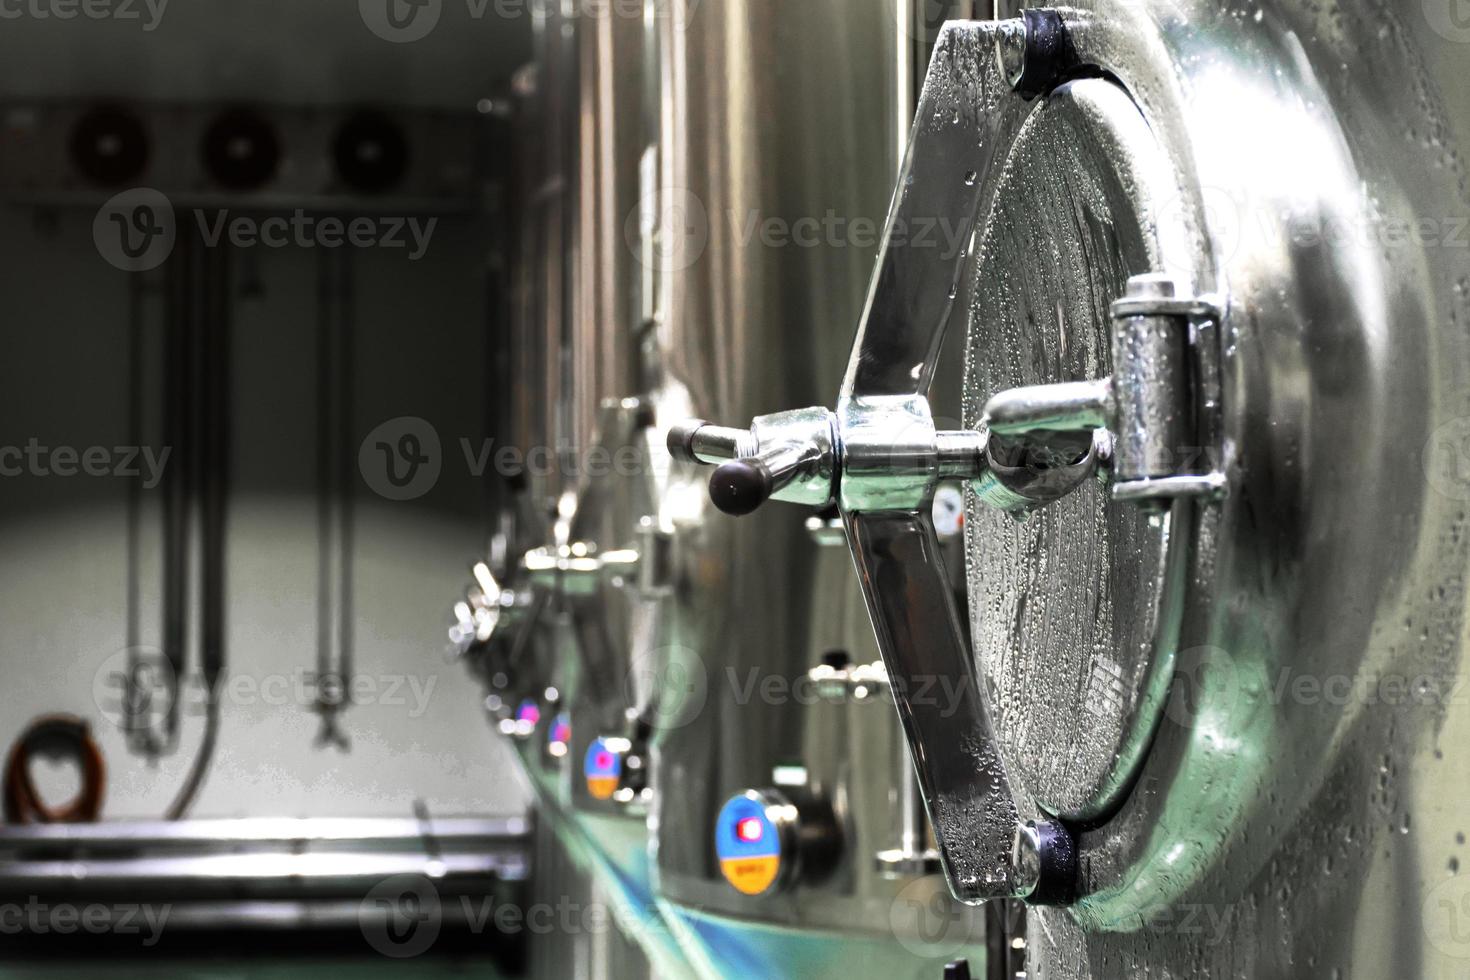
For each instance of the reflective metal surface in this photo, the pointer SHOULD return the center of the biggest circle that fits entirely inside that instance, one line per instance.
(1081, 203)
(745, 325)
(1274, 830)
(592, 591)
(1215, 383)
(729, 304)
(883, 453)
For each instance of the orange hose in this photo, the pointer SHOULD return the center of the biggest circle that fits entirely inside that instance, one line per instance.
(54, 735)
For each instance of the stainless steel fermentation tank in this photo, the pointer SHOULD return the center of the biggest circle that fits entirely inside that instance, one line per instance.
(648, 291)
(1217, 365)
(784, 840)
(554, 611)
(523, 626)
(603, 567)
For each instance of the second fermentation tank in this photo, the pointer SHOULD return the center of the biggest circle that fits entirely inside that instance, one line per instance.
(777, 780)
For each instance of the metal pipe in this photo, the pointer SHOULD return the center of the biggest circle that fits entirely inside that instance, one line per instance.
(269, 873)
(1051, 408)
(130, 835)
(911, 826)
(703, 443)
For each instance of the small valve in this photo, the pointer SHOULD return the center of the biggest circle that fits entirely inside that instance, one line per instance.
(789, 456)
(559, 736)
(766, 843)
(825, 527)
(838, 680)
(486, 609)
(1038, 445)
(522, 724)
(578, 568)
(656, 558)
(602, 767)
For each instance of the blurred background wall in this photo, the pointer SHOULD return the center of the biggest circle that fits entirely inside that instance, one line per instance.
(85, 365)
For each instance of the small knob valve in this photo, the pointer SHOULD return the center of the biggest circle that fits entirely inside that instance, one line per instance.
(578, 568)
(740, 486)
(766, 841)
(1038, 445)
(788, 456)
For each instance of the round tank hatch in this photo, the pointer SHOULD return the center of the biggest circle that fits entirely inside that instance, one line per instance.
(1074, 608)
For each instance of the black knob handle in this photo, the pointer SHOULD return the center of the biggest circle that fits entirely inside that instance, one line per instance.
(837, 659)
(958, 970)
(740, 486)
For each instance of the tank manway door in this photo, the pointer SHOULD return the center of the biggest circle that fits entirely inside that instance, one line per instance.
(1087, 356)
(1091, 440)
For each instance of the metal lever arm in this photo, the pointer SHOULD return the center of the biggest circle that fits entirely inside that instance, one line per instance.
(697, 441)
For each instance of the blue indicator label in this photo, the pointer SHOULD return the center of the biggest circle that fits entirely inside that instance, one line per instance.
(603, 769)
(529, 712)
(748, 846)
